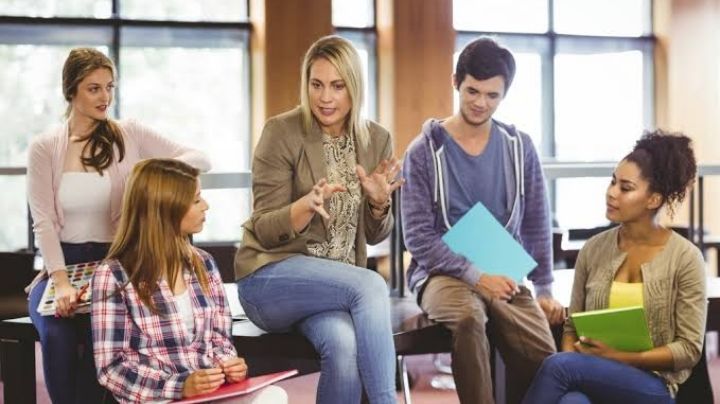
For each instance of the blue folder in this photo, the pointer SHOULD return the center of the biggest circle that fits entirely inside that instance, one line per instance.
(480, 238)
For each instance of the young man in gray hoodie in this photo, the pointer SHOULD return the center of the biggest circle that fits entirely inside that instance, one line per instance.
(453, 164)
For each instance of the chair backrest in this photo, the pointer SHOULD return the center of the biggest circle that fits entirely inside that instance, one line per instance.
(16, 269)
(559, 261)
(697, 389)
(682, 230)
(584, 234)
(224, 255)
(397, 249)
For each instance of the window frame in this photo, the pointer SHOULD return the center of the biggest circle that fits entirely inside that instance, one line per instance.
(548, 45)
(75, 31)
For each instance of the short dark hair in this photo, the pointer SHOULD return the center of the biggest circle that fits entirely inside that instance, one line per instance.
(667, 161)
(484, 58)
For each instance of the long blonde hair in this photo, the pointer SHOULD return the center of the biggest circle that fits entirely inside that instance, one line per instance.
(343, 56)
(106, 134)
(149, 243)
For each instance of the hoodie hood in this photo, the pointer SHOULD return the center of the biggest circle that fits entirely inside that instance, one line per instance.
(434, 135)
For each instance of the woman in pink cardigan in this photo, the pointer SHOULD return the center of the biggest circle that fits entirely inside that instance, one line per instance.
(76, 178)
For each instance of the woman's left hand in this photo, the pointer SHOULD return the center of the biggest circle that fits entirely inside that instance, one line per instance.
(594, 347)
(381, 183)
(235, 369)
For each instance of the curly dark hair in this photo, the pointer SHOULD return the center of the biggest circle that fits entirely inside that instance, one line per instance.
(667, 161)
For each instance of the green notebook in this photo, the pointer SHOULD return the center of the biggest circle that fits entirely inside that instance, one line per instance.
(624, 329)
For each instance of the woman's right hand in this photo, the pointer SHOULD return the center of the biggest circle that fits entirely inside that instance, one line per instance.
(321, 191)
(65, 295)
(203, 381)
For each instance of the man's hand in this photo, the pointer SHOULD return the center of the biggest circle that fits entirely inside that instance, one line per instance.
(203, 381)
(554, 311)
(497, 286)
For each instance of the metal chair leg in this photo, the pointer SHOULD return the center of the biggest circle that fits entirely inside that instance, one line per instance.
(404, 380)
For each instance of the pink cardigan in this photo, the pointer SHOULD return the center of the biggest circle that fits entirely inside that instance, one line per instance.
(44, 171)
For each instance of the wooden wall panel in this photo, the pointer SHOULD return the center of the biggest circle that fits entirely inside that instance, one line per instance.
(416, 42)
(688, 84)
(282, 33)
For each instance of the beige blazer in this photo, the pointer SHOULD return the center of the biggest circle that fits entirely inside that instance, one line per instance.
(286, 164)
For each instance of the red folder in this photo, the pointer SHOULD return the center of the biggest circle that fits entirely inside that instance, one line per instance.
(237, 389)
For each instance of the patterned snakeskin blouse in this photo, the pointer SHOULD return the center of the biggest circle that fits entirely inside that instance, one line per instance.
(343, 207)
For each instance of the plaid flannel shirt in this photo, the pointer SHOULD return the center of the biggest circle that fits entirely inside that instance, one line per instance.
(144, 357)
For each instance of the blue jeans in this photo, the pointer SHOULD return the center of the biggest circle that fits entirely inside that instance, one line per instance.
(70, 375)
(345, 313)
(572, 377)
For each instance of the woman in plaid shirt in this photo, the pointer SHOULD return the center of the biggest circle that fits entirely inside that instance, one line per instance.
(160, 320)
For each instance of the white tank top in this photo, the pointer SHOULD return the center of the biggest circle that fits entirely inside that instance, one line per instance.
(185, 310)
(85, 200)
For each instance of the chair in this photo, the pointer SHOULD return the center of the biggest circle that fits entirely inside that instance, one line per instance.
(559, 259)
(697, 389)
(224, 255)
(17, 272)
(415, 333)
(584, 234)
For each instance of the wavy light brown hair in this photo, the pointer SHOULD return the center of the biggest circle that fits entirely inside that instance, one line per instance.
(345, 59)
(106, 134)
(149, 243)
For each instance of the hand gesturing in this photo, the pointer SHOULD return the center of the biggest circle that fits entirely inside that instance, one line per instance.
(379, 184)
(320, 192)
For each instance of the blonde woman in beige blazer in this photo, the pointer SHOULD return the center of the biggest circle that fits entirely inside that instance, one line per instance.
(322, 180)
(639, 262)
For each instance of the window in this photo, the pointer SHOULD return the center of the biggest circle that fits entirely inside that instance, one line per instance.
(205, 10)
(30, 81)
(583, 88)
(56, 8)
(523, 104)
(353, 13)
(602, 17)
(500, 15)
(169, 56)
(354, 20)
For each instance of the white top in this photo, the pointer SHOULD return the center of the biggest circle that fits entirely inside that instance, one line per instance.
(46, 161)
(85, 201)
(185, 310)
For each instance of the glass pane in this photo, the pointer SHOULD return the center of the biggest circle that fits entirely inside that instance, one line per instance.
(182, 10)
(580, 202)
(500, 15)
(13, 205)
(522, 104)
(353, 13)
(57, 8)
(196, 96)
(229, 208)
(30, 82)
(602, 17)
(599, 101)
